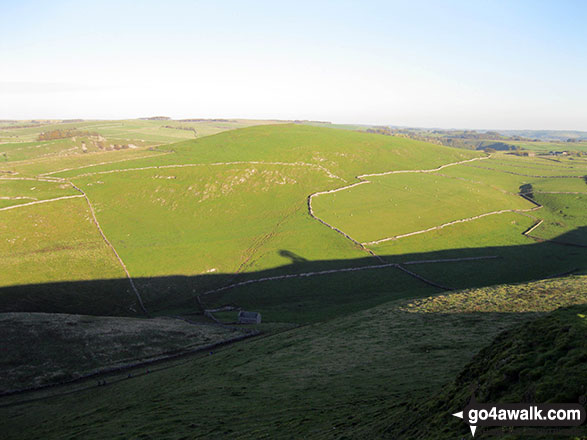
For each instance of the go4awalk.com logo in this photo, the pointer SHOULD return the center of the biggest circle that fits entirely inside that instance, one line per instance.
(521, 414)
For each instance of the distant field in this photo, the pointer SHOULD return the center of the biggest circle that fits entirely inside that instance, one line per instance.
(551, 146)
(20, 144)
(145, 130)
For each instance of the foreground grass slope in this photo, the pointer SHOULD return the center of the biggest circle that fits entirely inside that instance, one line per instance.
(542, 361)
(350, 377)
(47, 348)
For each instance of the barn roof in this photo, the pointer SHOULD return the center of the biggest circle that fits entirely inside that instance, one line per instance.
(248, 314)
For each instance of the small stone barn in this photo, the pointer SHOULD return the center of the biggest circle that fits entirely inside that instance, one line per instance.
(249, 317)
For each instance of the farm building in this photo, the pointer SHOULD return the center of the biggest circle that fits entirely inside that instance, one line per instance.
(249, 317)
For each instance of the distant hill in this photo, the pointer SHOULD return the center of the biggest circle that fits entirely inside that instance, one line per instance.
(547, 135)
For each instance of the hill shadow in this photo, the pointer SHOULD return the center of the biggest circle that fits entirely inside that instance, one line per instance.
(304, 290)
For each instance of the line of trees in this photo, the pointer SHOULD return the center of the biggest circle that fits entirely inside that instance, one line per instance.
(63, 134)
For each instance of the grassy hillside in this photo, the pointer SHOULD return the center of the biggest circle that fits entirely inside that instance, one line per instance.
(345, 154)
(542, 361)
(176, 216)
(350, 377)
(200, 215)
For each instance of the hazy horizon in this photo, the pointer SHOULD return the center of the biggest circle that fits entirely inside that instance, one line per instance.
(460, 65)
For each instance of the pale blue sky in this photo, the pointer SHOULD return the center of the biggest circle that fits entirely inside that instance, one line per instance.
(466, 64)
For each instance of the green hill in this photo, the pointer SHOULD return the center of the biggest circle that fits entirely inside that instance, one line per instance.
(170, 219)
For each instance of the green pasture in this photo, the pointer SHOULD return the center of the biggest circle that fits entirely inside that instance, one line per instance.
(496, 177)
(181, 220)
(467, 239)
(561, 185)
(17, 151)
(402, 203)
(17, 192)
(322, 297)
(538, 162)
(517, 257)
(56, 242)
(231, 207)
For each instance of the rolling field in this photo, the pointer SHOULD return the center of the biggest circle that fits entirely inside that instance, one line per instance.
(172, 214)
(169, 215)
(89, 142)
(147, 131)
(371, 266)
(345, 154)
(378, 210)
(349, 244)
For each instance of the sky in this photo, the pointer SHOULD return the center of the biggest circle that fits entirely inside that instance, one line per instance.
(449, 64)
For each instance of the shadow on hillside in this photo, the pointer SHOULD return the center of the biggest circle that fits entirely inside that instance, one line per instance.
(306, 298)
